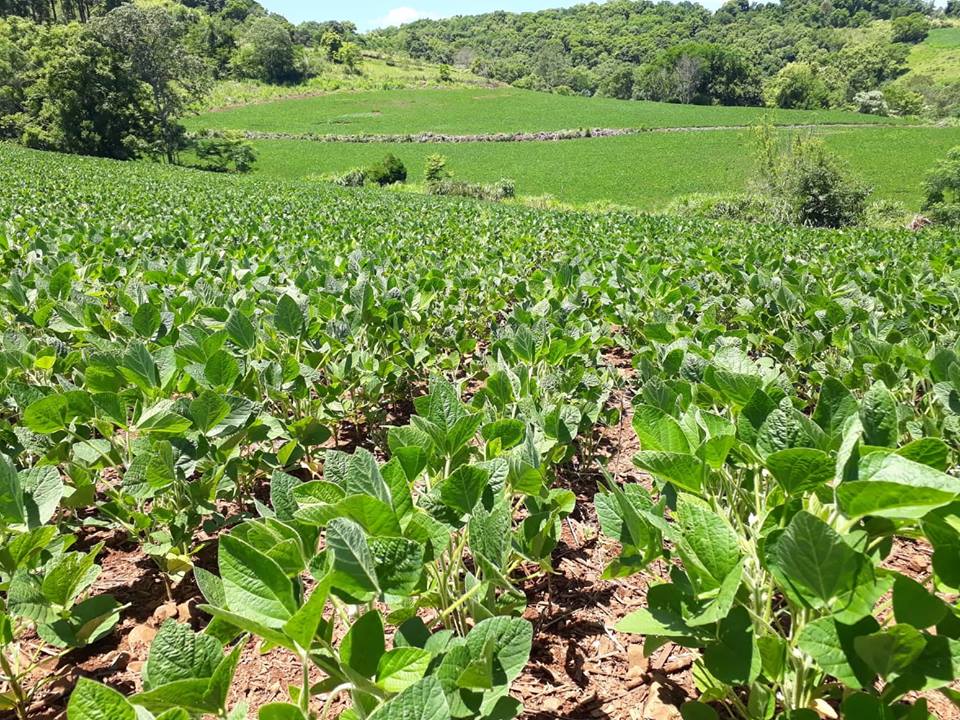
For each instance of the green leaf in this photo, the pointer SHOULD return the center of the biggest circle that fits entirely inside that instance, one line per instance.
(302, 627)
(734, 658)
(43, 489)
(659, 431)
(878, 415)
(891, 650)
(178, 653)
(70, 575)
(398, 564)
(93, 701)
(241, 330)
(913, 604)
(512, 638)
(189, 694)
(12, 510)
(401, 667)
(373, 515)
(363, 645)
(813, 561)
(208, 410)
(254, 585)
(221, 370)
(424, 700)
(463, 489)
(288, 318)
(893, 486)
(831, 645)
(281, 711)
(706, 538)
(146, 321)
(835, 406)
(684, 471)
(353, 563)
(800, 470)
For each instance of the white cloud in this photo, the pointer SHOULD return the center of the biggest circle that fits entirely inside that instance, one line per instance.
(402, 16)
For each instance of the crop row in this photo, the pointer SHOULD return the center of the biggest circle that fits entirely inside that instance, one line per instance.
(368, 400)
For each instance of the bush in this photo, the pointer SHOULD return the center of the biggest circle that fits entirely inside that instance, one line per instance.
(804, 184)
(872, 102)
(356, 177)
(503, 189)
(435, 168)
(445, 74)
(903, 101)
(887, 214)
(910, 28)
(746, 207)
(388, 171)
(818, 190)
(797, 86)
(229, 152)
(942, 190)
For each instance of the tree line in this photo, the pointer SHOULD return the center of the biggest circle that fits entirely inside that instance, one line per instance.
(795, 53)
(114, 79)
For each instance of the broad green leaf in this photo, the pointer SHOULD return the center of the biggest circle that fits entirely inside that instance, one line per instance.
(893, 486)
(913, 604)
(241, 330)
(424, 700)
(178, 653)
(800, 470)
(353, 563)
(363, 645)
(706, 539)
(659, 431)
(254, 585)
(734, 658)
(463, 489)
(831, 645)
(93, 701)
(812, 561)
(685, 471)
(878, 415)
(891, 650)
(288, 318)
(401, 667)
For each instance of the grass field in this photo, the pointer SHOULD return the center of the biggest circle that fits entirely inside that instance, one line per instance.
(475, 110)
(938, 56)
(374, 73)
(646, 171)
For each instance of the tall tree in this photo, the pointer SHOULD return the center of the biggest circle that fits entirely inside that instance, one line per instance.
(153, 40)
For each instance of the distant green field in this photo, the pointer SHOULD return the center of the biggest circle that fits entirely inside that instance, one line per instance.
(938, 56)
(479, 110)
(646, 171)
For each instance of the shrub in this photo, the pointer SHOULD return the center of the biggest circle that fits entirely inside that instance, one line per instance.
(912, 28)
(502, 189)
(804, 184)
(887, 214)
(817, 189)
(388, 171)
(903, 101)
(229, 152)
(797, 86)
(445, 74)
(435, 168)
(351, 178)
(942, 189)
(871, 102)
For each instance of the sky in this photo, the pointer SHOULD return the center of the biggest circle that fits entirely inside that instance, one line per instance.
(369, 14)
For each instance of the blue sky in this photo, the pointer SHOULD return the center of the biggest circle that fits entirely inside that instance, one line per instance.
(368, 14)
